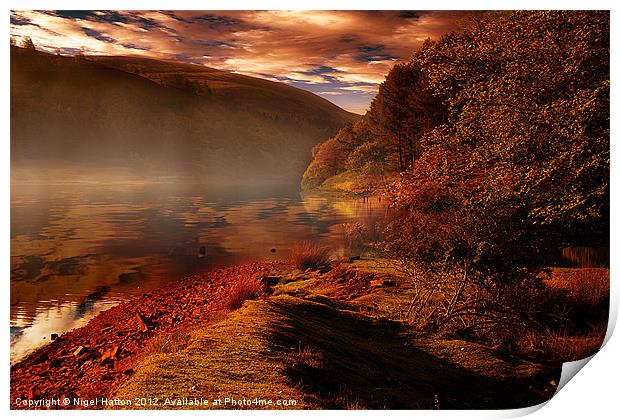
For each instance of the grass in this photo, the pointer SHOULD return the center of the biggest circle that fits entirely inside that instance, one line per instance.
(171, 342)
(305, 358)
(324, 356)
(231, 358)
(588, 286)
(310, 256)
(309, 343)
(562, 347)
(243, 289)
(580, 298)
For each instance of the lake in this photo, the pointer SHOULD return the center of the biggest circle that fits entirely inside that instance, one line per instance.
(78, 249)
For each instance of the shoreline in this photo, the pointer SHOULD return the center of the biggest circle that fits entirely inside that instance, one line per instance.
(299, 329)
(89, 361)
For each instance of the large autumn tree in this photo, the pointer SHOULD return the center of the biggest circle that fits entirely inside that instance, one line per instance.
(524, 154)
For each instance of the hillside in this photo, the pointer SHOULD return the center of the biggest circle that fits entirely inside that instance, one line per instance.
(162, 118)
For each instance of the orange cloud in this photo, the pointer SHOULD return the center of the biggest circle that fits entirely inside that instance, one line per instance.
(342, 54)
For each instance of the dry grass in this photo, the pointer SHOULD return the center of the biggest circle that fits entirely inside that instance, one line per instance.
(246, 288)
(324, 357)
(306, 358)
(310, 256)
(559, 347)
(231, 358)
(583, 295)
(339, 269)
(171, 342)
(585, 285)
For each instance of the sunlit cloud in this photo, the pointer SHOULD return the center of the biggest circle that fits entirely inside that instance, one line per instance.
(341, 55)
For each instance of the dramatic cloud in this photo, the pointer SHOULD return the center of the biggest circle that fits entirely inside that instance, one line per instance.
(340, 55)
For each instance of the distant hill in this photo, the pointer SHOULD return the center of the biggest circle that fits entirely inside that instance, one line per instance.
(162, 118)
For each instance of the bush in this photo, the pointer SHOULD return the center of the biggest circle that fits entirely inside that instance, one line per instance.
(308, 255)
(246, 288)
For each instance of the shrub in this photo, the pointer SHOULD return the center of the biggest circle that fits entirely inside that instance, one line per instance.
(246, 288)
(308, 255)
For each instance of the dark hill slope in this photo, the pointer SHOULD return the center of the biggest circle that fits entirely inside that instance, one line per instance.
(167, 119)
(243, 92)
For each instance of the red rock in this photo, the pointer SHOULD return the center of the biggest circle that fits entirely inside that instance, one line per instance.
(85, 364)
(141, 322)
(34, 392)
(40, 359)
(109, 354)
(83, 371)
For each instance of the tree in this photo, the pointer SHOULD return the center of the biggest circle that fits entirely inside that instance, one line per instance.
(406, 109)
(522, 164)
(330, 157)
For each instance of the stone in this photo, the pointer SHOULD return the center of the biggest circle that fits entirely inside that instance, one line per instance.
(270, 280)
(40, 358)
(109, 355)
(34, 392)
(141, 322)
(54, 336)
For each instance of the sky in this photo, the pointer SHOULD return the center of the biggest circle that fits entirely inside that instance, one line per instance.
(339, 55)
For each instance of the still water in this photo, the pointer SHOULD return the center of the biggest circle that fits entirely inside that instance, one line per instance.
(79, 249)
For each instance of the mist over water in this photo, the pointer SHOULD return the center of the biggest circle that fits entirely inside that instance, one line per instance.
(79, 248)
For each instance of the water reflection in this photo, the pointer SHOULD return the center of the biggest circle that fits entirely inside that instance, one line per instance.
(76, 249)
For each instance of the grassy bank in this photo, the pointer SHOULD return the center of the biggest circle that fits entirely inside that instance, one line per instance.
(334, 340)
(336, 337)
(350, 184)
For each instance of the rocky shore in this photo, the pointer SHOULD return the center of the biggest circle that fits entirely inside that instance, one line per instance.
(88, 362)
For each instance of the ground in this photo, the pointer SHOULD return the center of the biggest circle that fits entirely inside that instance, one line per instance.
(300, 339)
(332, 343)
